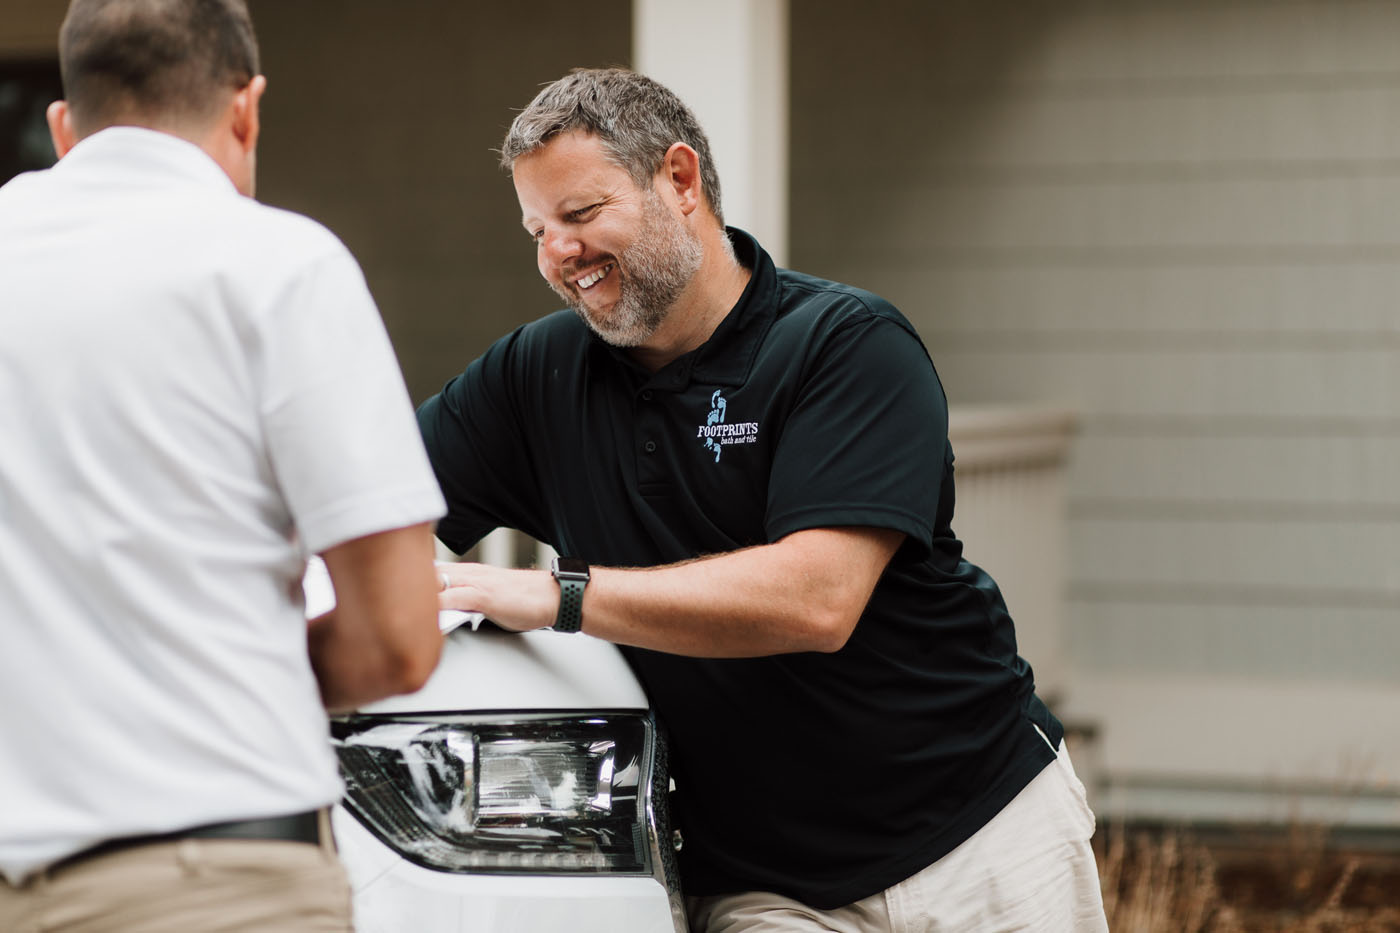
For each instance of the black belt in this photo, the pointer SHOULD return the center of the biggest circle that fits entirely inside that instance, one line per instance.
(299, 827)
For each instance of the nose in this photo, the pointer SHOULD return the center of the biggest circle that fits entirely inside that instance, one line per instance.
(558, 247)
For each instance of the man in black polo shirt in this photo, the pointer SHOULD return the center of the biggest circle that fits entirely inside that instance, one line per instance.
(856, 743)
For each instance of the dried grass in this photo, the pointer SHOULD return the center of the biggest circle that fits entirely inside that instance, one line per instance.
(1165, 882)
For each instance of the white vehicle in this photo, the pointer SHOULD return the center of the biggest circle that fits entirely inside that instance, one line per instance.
(522, 789)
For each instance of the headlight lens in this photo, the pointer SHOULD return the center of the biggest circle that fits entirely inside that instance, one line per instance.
(481, 794)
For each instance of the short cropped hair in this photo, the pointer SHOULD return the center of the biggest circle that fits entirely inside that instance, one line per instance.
(636, 119)
(153, 61)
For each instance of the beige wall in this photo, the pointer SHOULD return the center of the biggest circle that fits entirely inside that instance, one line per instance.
(29, 28)
(1184, 221)
(380, 119)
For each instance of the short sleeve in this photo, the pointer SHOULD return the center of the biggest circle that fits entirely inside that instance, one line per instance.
(864, 443)
(337, 418)
(474, 431)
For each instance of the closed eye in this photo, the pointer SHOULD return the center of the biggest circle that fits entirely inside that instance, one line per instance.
(584, 213)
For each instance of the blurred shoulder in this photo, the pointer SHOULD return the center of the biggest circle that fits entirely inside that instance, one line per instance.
(276, 230)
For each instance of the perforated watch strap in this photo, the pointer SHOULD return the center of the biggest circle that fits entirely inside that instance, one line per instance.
(570, 617)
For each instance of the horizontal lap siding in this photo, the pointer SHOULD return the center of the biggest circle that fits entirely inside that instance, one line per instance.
(1352, 476)
(1105, 296)
(1326, 561)
(1208, 633)
(1182, 220)
(1205, 223)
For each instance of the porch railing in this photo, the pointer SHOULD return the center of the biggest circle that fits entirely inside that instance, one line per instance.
(1010, 465)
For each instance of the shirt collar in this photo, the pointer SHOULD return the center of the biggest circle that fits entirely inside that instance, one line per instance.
(726, 358)
(136, 154)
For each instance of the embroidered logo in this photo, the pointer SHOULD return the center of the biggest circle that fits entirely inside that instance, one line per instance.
(717, 434)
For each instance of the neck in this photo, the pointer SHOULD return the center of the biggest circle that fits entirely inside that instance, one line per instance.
(711, 295)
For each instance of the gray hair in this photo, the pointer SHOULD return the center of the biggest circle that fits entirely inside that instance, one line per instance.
(636, 119)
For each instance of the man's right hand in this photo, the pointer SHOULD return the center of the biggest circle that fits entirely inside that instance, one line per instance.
(519, 600)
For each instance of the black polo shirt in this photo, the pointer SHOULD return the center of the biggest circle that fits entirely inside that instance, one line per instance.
(824, 777)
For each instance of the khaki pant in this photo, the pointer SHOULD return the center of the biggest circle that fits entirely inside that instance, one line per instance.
(189, 886)
(1029, 870)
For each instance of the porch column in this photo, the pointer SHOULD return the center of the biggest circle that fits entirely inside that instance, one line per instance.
(728, 59)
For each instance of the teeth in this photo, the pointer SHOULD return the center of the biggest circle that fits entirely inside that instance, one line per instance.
(592, 278)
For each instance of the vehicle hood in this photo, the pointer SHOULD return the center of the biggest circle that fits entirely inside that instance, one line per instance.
(491, 669)
(485, 668)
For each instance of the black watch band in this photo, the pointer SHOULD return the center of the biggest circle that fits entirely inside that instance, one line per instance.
(573, 576)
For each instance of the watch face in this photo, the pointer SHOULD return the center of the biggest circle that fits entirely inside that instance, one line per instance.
(571, 565)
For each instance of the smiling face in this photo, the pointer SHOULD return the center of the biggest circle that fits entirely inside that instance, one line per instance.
(619, 255)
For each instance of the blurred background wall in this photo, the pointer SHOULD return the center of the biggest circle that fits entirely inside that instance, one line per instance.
(381, 120)
(1180, 220)
(1183, 221)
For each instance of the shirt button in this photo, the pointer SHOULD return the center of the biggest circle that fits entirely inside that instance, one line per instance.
(646, 395)
(649, 447)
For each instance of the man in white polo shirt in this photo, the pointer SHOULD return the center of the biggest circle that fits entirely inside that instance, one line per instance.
(196, 392)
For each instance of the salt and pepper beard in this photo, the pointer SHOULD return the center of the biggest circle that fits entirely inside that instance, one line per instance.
(652, 272)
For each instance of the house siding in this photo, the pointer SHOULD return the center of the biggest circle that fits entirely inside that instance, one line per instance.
(1181, 220)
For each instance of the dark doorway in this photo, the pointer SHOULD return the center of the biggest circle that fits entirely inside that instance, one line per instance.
(26, 89)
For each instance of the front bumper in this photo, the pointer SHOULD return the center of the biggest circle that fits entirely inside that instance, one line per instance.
(392, 895)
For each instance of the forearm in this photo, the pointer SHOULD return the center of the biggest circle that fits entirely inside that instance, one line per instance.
(804, 593)
(743, 604)
(351, 669)
(382, 637)
(347, 673)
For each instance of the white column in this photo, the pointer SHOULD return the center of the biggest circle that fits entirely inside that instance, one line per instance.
(728, 60)
(498, 548)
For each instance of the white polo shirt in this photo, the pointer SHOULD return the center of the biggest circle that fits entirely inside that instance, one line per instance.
(191, 383)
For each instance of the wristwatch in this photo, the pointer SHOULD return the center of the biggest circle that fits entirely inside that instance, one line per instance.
(573, 576)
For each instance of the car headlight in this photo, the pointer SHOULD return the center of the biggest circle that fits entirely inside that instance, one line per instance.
(539, 793)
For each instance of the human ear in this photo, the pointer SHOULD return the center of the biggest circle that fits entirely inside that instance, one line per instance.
(246, 123)
(680, 172)
(61, 127)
